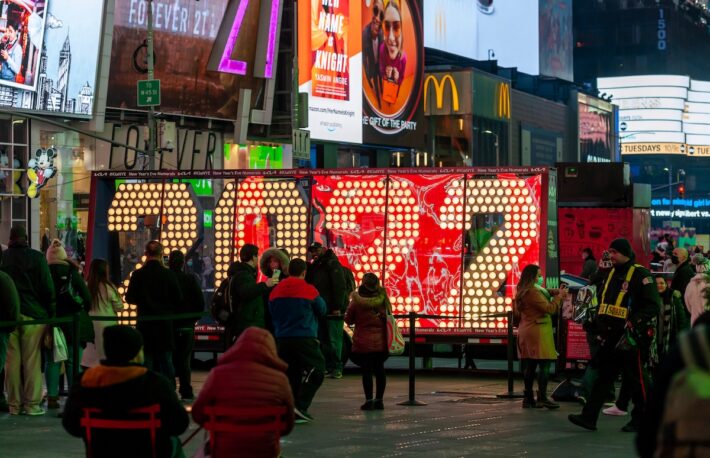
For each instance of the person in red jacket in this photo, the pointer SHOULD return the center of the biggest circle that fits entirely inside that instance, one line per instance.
(368, 311)
(249, 374)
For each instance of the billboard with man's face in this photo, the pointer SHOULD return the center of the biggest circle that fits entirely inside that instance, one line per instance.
(361, 63)
(22, 26)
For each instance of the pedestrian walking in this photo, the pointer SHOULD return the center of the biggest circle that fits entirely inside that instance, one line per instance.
(23, 375)
(695, 295)
(9, 311)
(367, 312)
(295, 309)
(105, 302)
(536, 343)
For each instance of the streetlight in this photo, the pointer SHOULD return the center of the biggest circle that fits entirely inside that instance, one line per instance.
(497, 145)
(669, 170)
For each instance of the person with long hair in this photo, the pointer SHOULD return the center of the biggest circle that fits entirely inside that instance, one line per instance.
(368, 311)
(535, 306)
(105, 301)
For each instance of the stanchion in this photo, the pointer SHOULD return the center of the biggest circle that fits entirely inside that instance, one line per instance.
(511, 354)
(412, 338)
(76, 361)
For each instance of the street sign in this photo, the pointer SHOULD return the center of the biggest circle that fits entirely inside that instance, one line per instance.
(148, 93)
(301, 144)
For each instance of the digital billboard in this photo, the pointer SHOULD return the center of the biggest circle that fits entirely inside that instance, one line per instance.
(661, 114)
(596, 129)
(362, 65)
(49, 55)
(533, 35)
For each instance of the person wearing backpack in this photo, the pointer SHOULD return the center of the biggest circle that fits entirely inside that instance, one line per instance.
(73, 298)
(677, 418)
(28, 269)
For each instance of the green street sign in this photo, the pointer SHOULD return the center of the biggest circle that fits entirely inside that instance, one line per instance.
(207, 216)
(148, 93)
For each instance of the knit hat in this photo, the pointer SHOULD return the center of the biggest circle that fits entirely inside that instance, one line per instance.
(56, 253)
(623, 247)
(701, 263)
(121, 343)
(369, 286)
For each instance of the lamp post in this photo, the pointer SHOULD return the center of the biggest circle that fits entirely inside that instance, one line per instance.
(489, 132)
(669, 169)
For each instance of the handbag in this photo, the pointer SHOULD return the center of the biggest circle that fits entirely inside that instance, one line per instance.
(59, 347)
(389, 91)
(395, 341)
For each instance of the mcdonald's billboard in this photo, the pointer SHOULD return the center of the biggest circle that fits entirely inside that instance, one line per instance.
(448, 93)
(492, 97)
(503, 100)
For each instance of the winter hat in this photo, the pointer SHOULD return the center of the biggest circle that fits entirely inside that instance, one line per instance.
(18, 234)
(56, 253)
(121, 343)
(370, 285)
(701, 263)
(622, 246)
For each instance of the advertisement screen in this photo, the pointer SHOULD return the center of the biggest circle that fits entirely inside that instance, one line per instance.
(596, 130)
(49, 54)
(533, 35)
(361, 64)
(661, 114)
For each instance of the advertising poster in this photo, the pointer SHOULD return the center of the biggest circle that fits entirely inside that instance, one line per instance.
(57, 51)
(380, 103)
(556, 58)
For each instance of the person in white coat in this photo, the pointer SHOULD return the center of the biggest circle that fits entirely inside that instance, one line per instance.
(695, 299)
(105, 301)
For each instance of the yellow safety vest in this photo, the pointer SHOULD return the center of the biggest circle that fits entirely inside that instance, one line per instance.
(616, 310)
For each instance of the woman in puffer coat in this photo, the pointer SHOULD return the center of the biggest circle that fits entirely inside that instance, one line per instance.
(271, 260)
(249, 374)
(367, 312)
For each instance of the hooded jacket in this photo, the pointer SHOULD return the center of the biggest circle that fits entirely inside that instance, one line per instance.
(326, 274)
(247, 298)
(249, 374)
(682, 276)
(695, 300)
(64, 273)
(369, 316)
(295, 307)
(28, 269)
(116, 390)
(266, 260)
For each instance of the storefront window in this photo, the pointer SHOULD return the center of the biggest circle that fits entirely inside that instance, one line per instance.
(13, 182)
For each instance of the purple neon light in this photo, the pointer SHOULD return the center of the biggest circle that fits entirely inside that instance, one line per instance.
(269, 65)
(226, 64)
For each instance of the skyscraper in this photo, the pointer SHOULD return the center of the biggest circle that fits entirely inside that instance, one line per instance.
(63, 78)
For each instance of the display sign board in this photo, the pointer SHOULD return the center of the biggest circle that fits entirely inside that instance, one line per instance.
(148, 93)
(50, 55)
(661, 114)
(362, 66)
(533, 35)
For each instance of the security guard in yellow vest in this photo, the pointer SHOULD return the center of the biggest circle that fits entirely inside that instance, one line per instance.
(628, 303)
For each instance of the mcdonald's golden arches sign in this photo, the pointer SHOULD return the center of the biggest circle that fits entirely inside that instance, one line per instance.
(503, 100)
(447, 93)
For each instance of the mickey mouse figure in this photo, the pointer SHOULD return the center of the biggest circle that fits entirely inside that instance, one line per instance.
(41, 169)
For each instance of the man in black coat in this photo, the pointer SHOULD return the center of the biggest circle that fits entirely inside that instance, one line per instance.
(155, 291)
(326, 274)
(372, 38)
(121, 384)
(192, 302)
(683, 273)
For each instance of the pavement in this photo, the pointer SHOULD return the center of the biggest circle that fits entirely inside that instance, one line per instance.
(462, 417)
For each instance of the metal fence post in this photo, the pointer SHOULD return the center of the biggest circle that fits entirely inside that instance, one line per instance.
(511, 355)
(411, 401)
(75, 348)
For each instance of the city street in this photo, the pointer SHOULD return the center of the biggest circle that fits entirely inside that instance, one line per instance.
(462, 417)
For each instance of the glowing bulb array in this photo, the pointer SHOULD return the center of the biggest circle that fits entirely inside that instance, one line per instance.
(280, 199)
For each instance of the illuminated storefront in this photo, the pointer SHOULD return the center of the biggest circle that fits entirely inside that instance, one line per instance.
(450, 242)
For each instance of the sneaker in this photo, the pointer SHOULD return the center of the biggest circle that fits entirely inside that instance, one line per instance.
(582, 400)
(302, 416)
(614, 411)
(34, 411)
(378, 404)
(630, 427)
(580, 421)
(368, 405)
(336, 374)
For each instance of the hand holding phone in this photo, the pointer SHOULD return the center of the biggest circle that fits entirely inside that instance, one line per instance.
(276, 274)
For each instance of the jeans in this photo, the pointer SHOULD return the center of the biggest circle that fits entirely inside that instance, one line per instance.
(52, 371)
(182, 360)
(306, 368)
(331, 336)
(23, 367)
(162, 363)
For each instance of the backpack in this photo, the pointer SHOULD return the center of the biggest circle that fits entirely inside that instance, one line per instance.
(221, 308)
(686, 416)
(68, 301)
(350, 284)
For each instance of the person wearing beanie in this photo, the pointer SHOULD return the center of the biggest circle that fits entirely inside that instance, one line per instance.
(192, 302)
(695, 294)
(120, 384)
(29, 271)
(73, 298)
(628, 304)
(368, 310)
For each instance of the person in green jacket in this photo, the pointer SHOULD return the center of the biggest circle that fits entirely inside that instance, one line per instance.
(247, 295)
(28, 269)
(9, 311)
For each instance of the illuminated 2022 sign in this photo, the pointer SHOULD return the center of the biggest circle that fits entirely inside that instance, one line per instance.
(449, 244)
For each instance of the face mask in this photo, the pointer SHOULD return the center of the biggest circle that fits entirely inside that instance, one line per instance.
(540, 281)
(674, 259)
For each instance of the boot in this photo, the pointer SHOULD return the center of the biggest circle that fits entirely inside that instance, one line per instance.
(52, 402)
(544, 402)
(529, 400)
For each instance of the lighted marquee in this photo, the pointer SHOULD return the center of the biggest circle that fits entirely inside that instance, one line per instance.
(135, 201)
